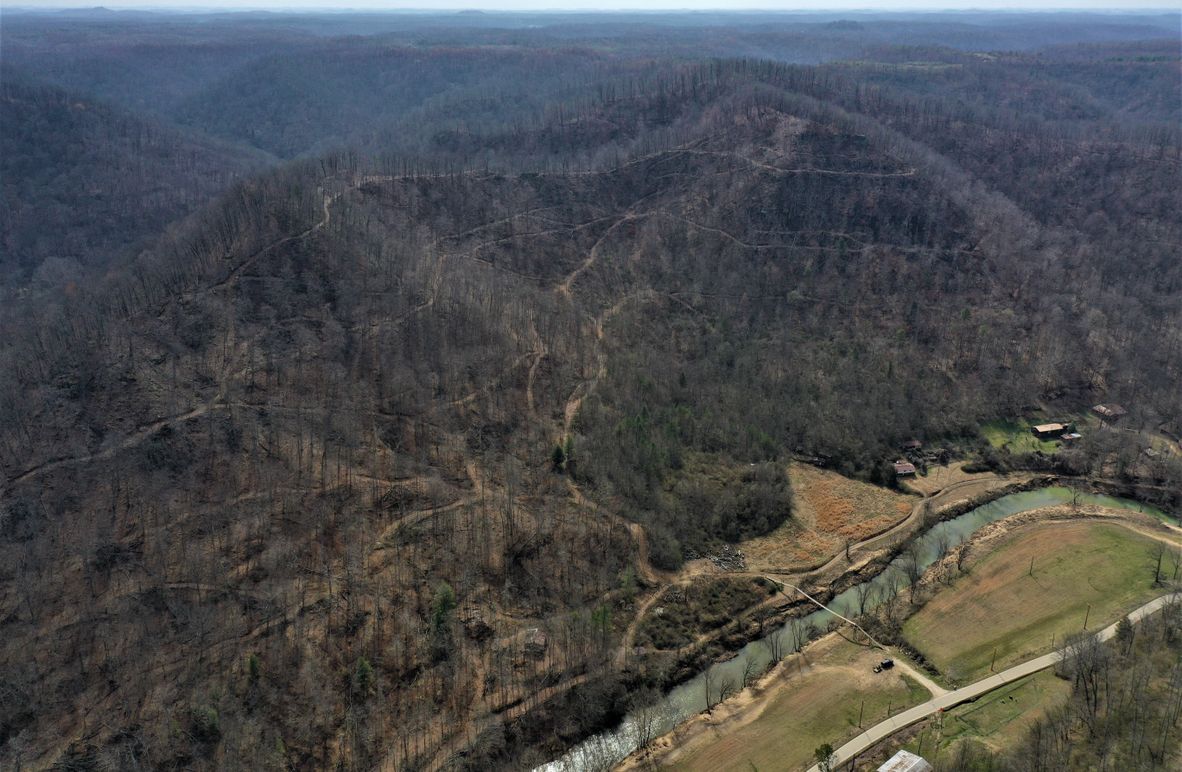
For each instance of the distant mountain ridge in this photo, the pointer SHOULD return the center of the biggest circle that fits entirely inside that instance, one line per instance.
(365, 459)
(84, 182)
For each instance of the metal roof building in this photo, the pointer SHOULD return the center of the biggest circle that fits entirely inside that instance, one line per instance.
(1109, 410)
(905, 761)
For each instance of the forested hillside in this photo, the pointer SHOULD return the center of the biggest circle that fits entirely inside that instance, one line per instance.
(364, 464)
(84, 182)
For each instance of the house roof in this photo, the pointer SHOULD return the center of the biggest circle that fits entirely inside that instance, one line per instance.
(1109, 410)
(1048, 428)
(904, 467)
(905, 761)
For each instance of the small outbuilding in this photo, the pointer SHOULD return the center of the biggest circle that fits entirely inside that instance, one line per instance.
(905, 761)
(1049, 431)
(904, 468)
(1109, 411)
(1071, 436)
(912, 445)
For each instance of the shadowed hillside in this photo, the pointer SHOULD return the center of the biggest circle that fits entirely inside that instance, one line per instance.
(83, 182)
(366, 464)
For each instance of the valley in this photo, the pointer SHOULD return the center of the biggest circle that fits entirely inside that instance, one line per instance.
(524, 390)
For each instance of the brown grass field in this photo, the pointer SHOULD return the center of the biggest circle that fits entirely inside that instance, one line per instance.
(940, 478)
(829, 509)
(799, 712)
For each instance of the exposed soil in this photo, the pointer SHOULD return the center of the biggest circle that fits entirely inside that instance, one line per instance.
(828, 510)
(749, 704)
(807, 677)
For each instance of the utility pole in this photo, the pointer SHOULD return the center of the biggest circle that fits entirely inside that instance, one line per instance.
(1087, 616)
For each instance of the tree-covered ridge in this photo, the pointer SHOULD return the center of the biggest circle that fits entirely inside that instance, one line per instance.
(83, 182)
(369, 460)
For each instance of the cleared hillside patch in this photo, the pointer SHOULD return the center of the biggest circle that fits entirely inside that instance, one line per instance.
(1015, 436)
(828, 510)
(684, 613)
(1036, 586)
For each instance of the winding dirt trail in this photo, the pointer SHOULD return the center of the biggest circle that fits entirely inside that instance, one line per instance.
(564, 287)
(138, 436)
(145, 431)
(799, 170)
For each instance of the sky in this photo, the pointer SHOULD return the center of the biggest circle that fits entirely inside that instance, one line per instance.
(609, 5)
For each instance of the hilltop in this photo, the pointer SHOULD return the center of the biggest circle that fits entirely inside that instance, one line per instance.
(368, 462)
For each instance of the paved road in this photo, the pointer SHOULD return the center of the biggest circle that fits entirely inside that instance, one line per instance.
(893, 724)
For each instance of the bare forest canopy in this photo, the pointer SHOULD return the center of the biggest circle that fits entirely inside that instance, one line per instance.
(356, 371)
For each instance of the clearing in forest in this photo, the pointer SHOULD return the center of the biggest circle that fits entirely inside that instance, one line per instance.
(1016, 437)
(957, 484)
(828, 509)
(1085, 569)
(803, 709)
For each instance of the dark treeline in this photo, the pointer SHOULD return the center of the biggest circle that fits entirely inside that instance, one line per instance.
(352, 459)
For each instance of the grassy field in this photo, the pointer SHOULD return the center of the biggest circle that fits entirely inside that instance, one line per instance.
(828, 509)
(998, 720)
(1004, 606)
(939, 478)
(1015, 436)
(820, 706)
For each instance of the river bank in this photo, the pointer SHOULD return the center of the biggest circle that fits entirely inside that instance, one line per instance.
(708, 729)
(689, 698)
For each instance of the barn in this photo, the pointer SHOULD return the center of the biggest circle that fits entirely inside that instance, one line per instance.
(1109, 411)
(1050, 431)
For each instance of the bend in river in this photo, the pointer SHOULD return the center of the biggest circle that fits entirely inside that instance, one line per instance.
(609, 748)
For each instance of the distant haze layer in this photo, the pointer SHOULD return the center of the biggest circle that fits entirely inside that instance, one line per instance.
(629, 5)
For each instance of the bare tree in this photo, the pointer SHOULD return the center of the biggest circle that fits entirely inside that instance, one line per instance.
(890, 594)
(708, 678)
(774, 644)
(1157, 554)
(865, 592)
(909, 564)
(647, 720)
(727, 686)
(962, 555)
(943, 542)
(749, 670)
(801, 633)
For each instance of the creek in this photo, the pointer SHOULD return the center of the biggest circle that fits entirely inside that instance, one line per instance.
(604, 750)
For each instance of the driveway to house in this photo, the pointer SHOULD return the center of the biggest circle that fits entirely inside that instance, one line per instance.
(886, 728)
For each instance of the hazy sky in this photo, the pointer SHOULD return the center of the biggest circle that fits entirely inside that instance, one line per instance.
(534, 5)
